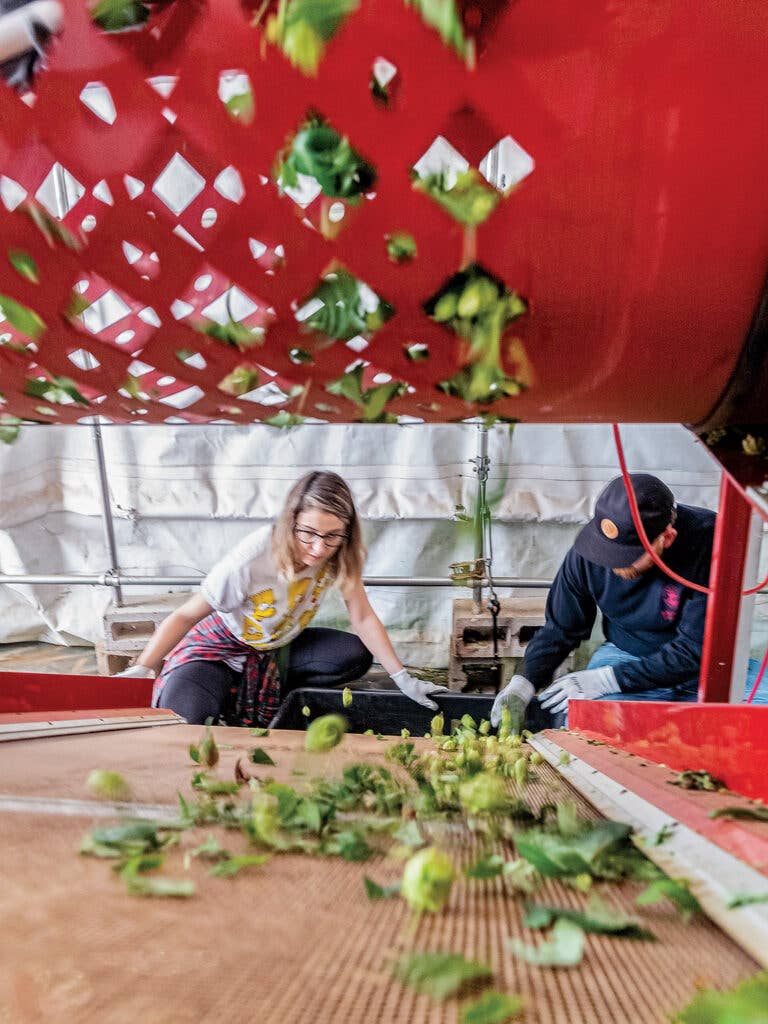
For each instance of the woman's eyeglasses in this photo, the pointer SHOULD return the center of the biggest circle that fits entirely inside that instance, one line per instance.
(308, 537)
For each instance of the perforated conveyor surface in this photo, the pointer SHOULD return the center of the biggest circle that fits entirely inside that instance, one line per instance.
(295, 940)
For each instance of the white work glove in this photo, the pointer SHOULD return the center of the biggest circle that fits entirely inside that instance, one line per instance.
(138, 672)
(586, 685)
(417, 689)
(516, 696)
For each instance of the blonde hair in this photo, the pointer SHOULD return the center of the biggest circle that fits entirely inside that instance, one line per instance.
(329, 493)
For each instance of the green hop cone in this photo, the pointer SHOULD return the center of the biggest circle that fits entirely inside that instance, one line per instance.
(107, 785)
(265, 820)
(437, 725)
(427, 880)
(521, 771)
(209, 752)
(346, 697)
(483, 794)
(325, 733)
(445, 308)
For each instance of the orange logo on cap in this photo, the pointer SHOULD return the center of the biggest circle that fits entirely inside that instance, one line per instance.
(609, 528)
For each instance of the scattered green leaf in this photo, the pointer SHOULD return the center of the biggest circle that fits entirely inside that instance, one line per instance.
(744, 1004)
(746, 899)
(374, 891)
(754, 812)
(698, 780)
(140, 885)
(489, 866)
(565, 947)
(596, 917)
(490, 1008)
(259, 756)
(231, 866)
(675, 889)
(439, 975)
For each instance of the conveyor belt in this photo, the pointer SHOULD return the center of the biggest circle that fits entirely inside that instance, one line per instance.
(295, 940)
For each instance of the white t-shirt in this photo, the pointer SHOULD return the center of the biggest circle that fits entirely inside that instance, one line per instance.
(255, 603)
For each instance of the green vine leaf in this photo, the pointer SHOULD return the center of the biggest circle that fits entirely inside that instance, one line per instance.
(24, 265)
(21, 317)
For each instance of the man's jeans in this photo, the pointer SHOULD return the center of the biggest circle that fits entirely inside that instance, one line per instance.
(609, 654)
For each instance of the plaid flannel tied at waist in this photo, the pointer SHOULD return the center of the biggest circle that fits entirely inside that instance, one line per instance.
(252, 701)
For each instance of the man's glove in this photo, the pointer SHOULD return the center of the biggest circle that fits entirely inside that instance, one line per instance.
(417, 689)
(516, 696)
(586, 685)
(138, 672)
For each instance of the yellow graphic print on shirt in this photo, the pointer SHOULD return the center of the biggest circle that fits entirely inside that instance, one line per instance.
(263, 608)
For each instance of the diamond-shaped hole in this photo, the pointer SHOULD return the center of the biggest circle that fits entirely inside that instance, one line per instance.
(343, 307)
(193, 359)
(59, 192)
(286, 28)
(236, 93)
(233, 317)
(183, 399)
(106, 311)
(321, 160)
(446, 176)
(11, 193)
(178, 184)
(97, 97)
(478, 307)
(84, 360)
(506, 165)
(373, 398)
(229, 184)
(384, 81)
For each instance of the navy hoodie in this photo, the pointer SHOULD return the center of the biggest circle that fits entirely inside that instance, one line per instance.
(653, 617)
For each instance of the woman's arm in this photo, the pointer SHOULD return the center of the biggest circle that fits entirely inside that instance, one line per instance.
(172, 629)
(368, 627)
(366, 623)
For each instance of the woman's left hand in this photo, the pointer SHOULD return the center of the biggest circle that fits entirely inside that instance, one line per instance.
(417, 689)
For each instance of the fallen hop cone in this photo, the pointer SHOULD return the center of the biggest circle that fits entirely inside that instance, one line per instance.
(107, 785)
(325, 733)
(427, 880)
(346, 697)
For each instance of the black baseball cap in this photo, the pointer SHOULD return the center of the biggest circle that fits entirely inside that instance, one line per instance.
(610, 538)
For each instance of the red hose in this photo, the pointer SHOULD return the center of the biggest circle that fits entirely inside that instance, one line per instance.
(638, 523)
(644, 537)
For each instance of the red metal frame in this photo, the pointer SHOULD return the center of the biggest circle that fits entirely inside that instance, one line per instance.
(747, 840)
(726, 581)
(729, 740)
(43, 692)
(604, 238)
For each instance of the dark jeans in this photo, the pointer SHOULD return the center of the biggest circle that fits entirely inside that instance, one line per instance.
(318, 657)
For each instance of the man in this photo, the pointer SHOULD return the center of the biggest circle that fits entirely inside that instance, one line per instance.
(654, 626)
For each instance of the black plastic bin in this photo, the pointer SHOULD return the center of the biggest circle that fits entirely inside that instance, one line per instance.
(384, 711)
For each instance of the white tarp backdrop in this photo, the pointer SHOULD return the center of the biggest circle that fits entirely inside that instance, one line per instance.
(183, 495)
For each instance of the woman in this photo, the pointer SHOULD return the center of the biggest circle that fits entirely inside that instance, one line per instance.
(241, 643)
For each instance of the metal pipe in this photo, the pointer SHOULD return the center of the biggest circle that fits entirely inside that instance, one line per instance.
(106, 511)
(481, 462)
(110, 579)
